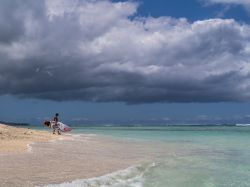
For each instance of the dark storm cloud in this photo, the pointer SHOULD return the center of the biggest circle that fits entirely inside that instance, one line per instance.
(92, 50)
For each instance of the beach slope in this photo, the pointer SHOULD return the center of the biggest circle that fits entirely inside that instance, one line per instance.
(15, 140)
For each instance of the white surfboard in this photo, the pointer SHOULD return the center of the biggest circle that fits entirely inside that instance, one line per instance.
(63, 127)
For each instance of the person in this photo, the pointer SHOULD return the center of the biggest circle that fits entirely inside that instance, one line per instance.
(55, 124)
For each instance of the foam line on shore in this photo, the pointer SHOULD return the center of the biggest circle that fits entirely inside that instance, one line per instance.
(131, 177)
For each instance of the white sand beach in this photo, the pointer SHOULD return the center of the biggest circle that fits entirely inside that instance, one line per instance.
(14, 140)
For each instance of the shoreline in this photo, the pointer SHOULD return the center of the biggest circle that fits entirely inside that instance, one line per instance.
(80, 157)
(98, 160)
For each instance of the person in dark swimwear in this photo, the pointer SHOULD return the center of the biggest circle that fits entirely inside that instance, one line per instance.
(55, 125)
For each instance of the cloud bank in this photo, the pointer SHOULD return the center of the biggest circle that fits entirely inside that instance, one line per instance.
(95, 50)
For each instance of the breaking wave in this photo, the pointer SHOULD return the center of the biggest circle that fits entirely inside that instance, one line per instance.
(130, 177)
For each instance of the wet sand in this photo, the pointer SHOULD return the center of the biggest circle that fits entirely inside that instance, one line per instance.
(72, 157)
(69, 159)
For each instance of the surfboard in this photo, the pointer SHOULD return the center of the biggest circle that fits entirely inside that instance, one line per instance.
(63, 127)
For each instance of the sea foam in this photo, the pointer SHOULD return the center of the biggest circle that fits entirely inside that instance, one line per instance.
(130, 177)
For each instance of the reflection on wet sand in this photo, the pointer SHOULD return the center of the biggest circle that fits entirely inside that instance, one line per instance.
(73, 157)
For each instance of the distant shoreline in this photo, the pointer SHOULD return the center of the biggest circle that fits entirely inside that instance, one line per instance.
(122, 124)
(14, 123)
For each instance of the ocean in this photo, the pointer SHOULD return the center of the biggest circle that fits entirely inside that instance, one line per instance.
(183, 156)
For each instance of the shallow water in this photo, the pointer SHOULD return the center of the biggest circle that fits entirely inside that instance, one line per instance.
(199, 156)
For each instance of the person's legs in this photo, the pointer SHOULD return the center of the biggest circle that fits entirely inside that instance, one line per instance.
(54, 131)
(54, 126)
(58, 129)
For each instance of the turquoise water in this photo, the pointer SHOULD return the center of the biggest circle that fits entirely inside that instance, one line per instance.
(221, 137)
(185, 156)
(203, 156)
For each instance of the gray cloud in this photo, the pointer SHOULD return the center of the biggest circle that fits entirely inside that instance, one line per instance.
(92, 50)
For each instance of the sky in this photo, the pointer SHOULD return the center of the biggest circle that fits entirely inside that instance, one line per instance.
(103, 61)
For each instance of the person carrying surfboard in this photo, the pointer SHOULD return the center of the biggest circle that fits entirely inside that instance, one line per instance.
(55, 125)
